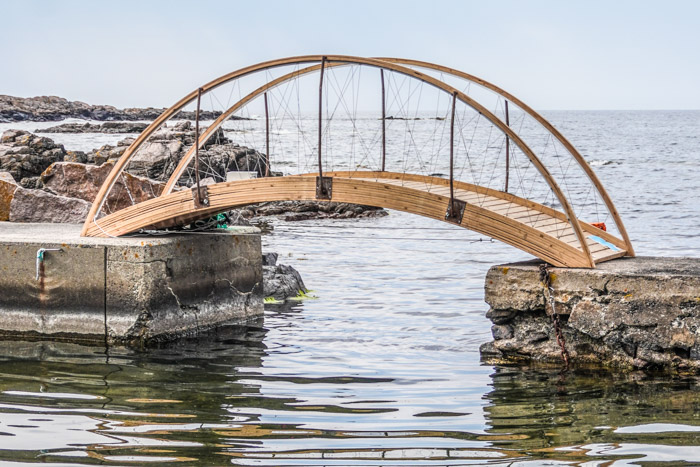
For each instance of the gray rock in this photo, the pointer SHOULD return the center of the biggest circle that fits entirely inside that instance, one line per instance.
(23, 154)
(40, 206)
(269, 259)
(282, 282)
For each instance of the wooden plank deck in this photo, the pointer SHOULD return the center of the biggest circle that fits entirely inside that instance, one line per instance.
(529, 226)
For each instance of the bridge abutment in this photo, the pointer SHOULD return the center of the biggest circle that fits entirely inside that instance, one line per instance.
(641, 312)
(134, 290)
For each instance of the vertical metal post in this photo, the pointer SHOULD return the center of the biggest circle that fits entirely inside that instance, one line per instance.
(320, 114)
(507, 149)
(267, 139)
(452, 149)
(381, 72)
(196, 147)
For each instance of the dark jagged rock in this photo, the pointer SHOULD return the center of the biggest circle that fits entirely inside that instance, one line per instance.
(53, 108)
(304, 210)
(282, 282)
(24, 154)
(107, 127)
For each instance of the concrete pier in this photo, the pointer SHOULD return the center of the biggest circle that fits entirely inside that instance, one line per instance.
(639, 312)
(125, 290)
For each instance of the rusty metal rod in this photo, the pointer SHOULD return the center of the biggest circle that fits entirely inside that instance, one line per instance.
(381, 72)
(452, 148)
(320, 114)
(267, 139)
(196, 147)
(507, 149)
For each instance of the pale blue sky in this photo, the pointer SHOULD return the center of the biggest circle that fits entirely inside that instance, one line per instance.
(552, 54)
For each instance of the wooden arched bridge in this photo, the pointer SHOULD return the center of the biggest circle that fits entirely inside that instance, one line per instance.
(465, 152)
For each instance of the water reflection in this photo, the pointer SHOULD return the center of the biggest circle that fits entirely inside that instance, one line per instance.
(212, 400)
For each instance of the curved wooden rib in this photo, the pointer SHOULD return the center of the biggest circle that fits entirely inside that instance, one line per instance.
(499, 215)
(128, 154)
(544, 122)
(211, 129)
(182, 165)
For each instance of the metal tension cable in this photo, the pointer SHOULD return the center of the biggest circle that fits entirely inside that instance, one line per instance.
(546, 280)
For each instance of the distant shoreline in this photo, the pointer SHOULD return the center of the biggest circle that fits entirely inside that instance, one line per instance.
(54, 108)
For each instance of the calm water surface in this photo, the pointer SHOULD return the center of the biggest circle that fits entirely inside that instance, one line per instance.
(383, 367)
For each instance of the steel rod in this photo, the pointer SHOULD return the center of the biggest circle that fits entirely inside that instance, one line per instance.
(320, 114)
(267, 139)
(196, 142)
(452, 150)
(381, 72)
(507, 149)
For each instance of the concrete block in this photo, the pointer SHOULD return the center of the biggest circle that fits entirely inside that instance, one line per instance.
(630, 312)
(126, 290)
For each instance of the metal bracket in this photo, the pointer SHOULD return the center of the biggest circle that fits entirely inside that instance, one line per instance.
(458, 213)
(324, 187)
(201, 201)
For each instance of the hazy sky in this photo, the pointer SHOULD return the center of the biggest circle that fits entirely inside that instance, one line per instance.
(613, 54)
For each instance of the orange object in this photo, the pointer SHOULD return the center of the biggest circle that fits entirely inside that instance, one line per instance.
(600, 225)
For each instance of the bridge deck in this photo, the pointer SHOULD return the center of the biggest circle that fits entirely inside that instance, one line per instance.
(532, 227)
(601, 249)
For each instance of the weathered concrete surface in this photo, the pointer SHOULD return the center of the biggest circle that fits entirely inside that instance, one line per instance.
(126, 290)
(639, 312)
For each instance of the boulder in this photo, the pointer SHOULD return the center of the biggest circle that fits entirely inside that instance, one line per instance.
(24, 154)
(282, 282)
(8, 186)
(41, 206)
(82, 181)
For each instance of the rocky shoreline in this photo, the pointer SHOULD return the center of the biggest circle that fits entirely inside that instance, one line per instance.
(54, 108)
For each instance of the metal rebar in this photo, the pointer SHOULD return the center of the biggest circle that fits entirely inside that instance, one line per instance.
(452, 148)
(320, 114)
(267, 139)
(381, 72)
(196, 143)
(507, 149)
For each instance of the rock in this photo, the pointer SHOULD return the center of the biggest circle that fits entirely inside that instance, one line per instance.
(108, 127)
(53, 108)
(40, 206)
(627, 313)
(304, 210)
(23, 154)
(282, 282)
(269, 259)
(83, 181)
(8, 186)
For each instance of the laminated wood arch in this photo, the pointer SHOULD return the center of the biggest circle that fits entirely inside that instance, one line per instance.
(170, 207)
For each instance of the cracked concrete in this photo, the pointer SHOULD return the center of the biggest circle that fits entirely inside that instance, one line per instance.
(131, 290)
(630, 313)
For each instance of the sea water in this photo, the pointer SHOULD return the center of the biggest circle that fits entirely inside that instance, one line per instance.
(382, 367)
